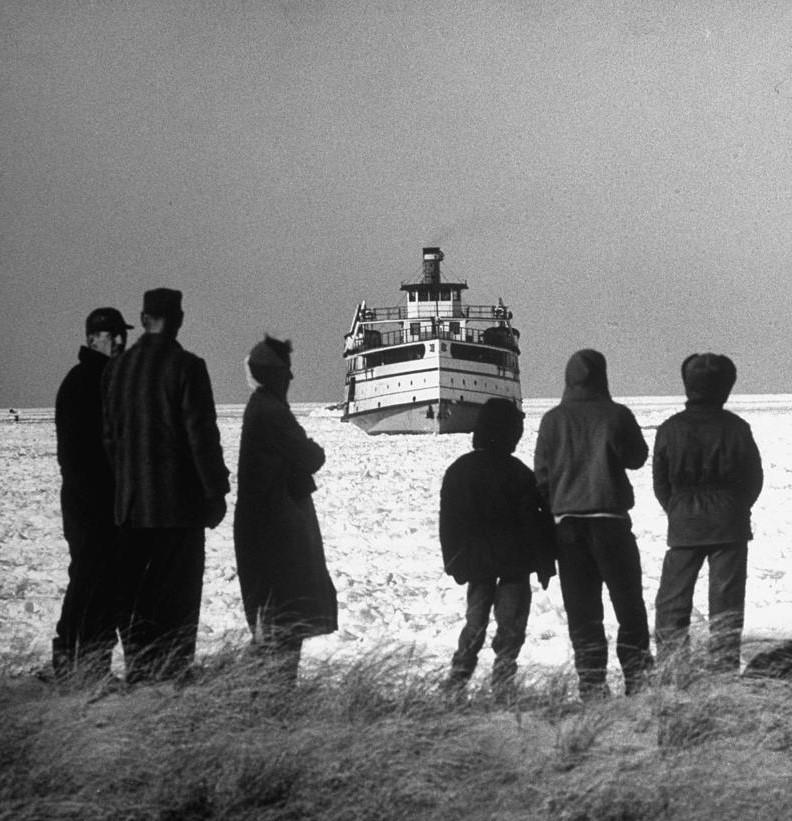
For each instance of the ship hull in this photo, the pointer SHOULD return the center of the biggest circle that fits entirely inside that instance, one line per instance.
(457, 417)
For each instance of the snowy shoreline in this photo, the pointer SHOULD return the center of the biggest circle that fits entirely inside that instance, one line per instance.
(377, 505)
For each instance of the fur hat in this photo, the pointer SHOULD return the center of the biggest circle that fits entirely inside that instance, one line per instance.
(708, 378)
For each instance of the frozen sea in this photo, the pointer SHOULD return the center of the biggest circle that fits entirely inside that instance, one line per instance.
(377, 503)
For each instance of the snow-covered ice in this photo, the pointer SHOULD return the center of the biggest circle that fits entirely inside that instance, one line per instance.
(377, 504)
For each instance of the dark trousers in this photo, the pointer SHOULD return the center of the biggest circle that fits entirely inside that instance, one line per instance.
(674, 603)
(511, 600)
(161, 580)
(592, 551)
(86, 631)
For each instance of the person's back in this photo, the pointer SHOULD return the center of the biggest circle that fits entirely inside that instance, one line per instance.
(163, 435)
(707, 474)
(488, 525)
(584, 448)
(162, 438)
(494, 532)
(586, 443)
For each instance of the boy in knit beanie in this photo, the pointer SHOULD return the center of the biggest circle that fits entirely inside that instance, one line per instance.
(707, 474)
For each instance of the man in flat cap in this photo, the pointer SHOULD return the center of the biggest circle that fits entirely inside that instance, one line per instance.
(86, 630)
(162, 438)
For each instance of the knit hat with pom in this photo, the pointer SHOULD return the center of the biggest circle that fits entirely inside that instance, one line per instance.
(271, 353)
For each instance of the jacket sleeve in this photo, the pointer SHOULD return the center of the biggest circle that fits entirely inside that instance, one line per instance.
(72, 435)
(107, 424)
(660, 478)
(200, 420)
(292, 442)
(631, 445)
(451, 535)
(544, 540)
(541, 471)
(754, 476)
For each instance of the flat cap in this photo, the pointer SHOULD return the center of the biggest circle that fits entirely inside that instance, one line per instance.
(162, 302)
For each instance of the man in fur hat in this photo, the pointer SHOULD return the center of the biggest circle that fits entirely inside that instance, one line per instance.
(86, 630)
(162, 438)
(707, 474)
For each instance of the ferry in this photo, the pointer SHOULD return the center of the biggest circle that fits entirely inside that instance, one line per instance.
(428, 365)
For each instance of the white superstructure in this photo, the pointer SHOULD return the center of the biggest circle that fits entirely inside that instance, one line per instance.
(430, 365)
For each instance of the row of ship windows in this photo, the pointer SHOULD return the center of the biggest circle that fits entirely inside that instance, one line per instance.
(501, 359)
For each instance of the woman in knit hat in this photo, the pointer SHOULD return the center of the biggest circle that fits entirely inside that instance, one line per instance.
(286, 589)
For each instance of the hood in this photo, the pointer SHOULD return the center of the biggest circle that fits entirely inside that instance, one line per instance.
(708, 378)
(586, 376)
(499, 426)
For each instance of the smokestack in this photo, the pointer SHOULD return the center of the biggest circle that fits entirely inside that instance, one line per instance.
(431, 265)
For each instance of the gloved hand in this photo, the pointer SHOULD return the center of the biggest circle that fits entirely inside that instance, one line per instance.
(215, 511)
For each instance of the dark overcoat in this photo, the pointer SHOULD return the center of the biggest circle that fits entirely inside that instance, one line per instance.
(160, 432)
(493, 523)
(280, 557)
(87, 489)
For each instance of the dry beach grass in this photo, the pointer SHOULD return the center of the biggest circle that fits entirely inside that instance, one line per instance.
(376, 739)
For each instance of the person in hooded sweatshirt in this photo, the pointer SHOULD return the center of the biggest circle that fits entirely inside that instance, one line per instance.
(494, 532)
(707, 474)
(584, 447)
(287, 592)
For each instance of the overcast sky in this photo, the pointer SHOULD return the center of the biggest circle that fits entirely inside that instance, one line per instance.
(619, 172)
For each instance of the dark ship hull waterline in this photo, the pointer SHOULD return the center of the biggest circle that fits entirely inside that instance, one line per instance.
(429, 366)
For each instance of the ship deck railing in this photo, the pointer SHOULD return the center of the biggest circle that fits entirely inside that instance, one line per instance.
(371, 340)
(400, 312)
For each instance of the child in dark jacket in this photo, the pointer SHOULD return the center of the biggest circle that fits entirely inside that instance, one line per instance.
(494, 532)
(707, 474)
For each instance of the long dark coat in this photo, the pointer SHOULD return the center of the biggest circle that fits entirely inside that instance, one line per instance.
(280, 558)
(160, 431)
